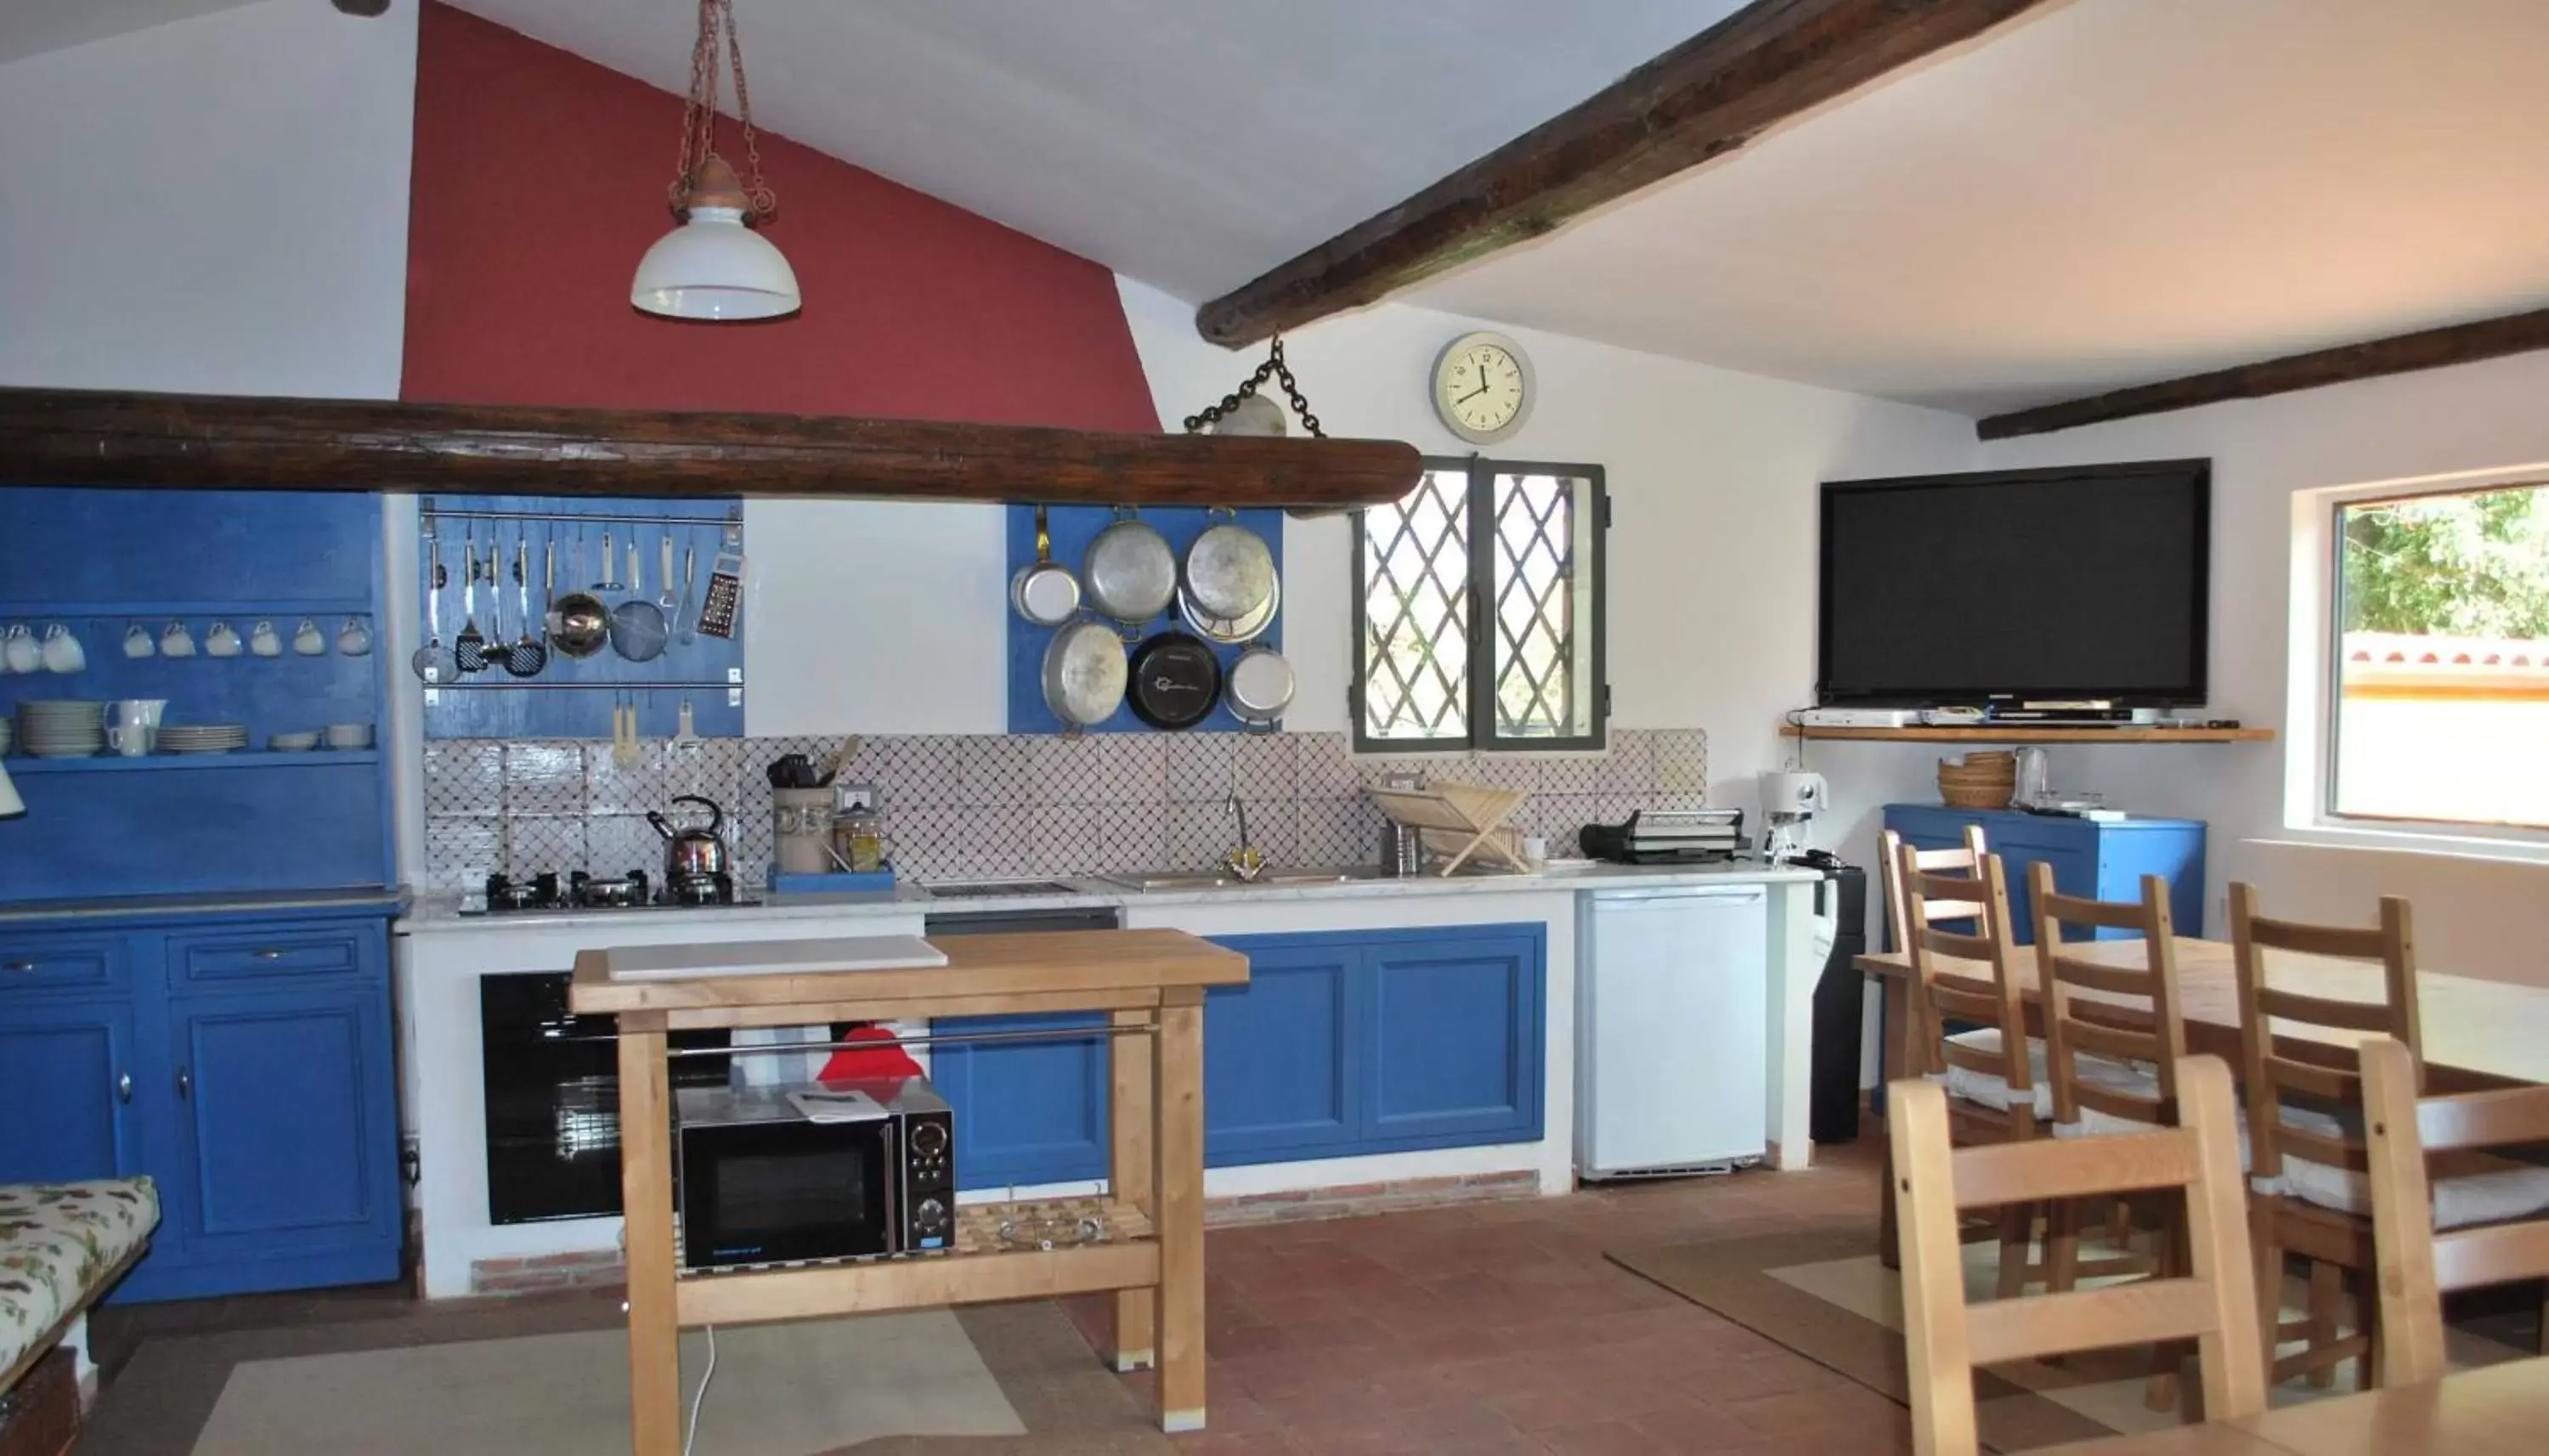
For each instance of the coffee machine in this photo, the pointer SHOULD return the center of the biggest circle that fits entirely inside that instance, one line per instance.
(1789, 798)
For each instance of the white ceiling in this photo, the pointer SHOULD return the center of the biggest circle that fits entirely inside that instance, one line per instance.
(2107, 192)
(31, 26)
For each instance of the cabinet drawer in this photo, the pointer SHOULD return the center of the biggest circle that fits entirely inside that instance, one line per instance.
(295, 950)
(61, 964)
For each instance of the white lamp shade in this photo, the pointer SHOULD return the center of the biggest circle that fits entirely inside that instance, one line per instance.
(11, 806)
(714, 267)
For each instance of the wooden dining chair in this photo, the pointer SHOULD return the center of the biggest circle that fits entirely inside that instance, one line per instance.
(2418, 1266)
(1993, 1075)
(2305, 1096)
(1961, 858)
(1944, 1339)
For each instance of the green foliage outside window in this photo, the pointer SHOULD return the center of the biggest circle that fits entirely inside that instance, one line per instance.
(2471, 565)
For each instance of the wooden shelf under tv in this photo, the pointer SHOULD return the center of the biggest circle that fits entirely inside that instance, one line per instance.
(2014, 734)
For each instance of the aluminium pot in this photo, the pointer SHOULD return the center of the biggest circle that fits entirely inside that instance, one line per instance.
(1130, 572)
(1083, 674)
(1230, 632)
(1259, 687)
(1044, 592)
(1229, 571)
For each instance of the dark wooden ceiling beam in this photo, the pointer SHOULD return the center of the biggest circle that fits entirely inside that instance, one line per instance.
(84, 437)
(1770, 61)
(2431, 348)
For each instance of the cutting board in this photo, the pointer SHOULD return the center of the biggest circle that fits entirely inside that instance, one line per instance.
(771, 957)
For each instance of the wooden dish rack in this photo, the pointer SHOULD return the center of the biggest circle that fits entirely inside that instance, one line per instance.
(1460, 821)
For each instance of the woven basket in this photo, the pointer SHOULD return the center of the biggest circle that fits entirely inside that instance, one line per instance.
(1985, 781)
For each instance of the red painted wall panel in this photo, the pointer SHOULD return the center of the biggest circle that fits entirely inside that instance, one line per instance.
(539, 180)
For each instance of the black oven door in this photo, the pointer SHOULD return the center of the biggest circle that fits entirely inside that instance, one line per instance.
(781, 1192)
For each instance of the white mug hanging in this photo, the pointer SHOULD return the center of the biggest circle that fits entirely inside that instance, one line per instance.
(62, 651)
(308, 640)
(353, 639)
(176, 641)
(138, 641)
(221, 641)
(263, 640)
(19, 652)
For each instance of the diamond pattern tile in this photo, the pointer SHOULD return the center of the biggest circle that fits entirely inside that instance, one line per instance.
(1326, 831)
(615, 844)
(1198, 835)
(464, 776)
(461, 851)
(996, 769)
(545, 778)
(1066, 771)
(1323, 764)
(1133, 836)
(1135, 767)
(1568, 773)
(1266, 765)
(1681, 760)
(1200, 765)
(556, 843)
(1629, 766)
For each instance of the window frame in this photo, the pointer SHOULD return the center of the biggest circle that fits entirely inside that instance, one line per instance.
(2329, 658)
(1591, 529)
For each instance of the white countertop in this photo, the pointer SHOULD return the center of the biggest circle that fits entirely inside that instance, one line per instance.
(441, 914)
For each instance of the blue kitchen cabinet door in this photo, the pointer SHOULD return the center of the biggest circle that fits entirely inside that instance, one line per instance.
(2102, 860)
(1278, 1070)
(1452, 1038)
(1027, 1113)
(68, 1112)
(284, 1143)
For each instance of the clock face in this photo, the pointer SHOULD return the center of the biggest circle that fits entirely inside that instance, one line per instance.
(1481, 386)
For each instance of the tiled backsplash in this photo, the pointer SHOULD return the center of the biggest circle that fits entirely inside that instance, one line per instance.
(982, 806)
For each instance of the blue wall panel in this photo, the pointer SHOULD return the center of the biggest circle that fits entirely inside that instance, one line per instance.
(1072, 527)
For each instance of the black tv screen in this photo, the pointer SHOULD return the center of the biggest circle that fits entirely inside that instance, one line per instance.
(2086, 582)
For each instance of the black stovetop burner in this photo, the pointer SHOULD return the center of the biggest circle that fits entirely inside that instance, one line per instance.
(631, 891)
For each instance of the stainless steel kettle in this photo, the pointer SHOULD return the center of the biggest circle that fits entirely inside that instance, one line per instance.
(692, 854)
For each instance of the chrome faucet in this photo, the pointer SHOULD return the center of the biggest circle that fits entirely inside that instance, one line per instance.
(1246, 862)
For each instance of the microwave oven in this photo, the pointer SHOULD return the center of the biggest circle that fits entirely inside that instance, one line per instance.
(761, 1181)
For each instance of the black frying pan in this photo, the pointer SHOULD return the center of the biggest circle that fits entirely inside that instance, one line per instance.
(1175, 681)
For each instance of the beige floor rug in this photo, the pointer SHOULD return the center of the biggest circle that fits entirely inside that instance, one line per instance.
(780, 1390)
(1827, 1296)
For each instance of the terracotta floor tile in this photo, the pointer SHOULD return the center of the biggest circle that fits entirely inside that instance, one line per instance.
(1602, 1439)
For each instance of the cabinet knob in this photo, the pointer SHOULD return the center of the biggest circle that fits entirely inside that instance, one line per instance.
(185, 1083)
(269, 954)
(22, 967)
(124, 1087)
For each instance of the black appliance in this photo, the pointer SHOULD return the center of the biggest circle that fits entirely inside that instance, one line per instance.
(1832, 1115)
(551, 892)
(1668, 837)
(2081, 588)
(552, 1087)
(763, 1177)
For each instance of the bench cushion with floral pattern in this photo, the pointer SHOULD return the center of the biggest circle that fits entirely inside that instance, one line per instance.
(58, 1244)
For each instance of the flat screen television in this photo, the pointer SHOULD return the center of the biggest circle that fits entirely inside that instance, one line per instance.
(2081, 582)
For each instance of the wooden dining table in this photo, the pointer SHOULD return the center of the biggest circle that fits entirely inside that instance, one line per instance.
(2478, 1034)
(2497, 1410)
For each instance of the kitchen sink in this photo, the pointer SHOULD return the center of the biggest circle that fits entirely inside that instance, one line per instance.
(1212, 880)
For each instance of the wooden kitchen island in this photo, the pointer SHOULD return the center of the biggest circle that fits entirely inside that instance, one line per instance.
(1151, 982)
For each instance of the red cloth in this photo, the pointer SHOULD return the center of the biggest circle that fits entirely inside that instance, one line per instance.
(883, 1058)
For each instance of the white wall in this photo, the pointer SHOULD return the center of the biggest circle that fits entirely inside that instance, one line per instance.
(217, 205)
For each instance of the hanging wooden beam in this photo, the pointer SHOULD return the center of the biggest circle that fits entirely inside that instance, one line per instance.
(1770, 61)
(84, 437)
(2404, 353)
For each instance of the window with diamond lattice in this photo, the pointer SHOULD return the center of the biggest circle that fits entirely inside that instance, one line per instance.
(1479, 610)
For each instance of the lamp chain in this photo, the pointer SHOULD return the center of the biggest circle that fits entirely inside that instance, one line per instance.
(1272, 368)
(699, 115)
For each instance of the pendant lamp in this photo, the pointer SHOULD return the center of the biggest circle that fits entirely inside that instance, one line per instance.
(713, 266)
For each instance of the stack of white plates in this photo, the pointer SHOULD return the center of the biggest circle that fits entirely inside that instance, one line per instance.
(202, 737)
(7, 729)
(62, 729)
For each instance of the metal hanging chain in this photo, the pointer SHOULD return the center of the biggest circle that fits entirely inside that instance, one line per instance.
(700, 111)
(1272, 368)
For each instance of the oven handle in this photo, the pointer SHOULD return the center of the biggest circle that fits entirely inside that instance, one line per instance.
(917, 1039)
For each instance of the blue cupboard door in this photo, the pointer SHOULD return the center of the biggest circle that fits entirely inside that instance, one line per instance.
(1452, 1038)
(66, 1071)
(2021, 841)
(2174, 852)
(1277, 1079)
(288, 1135)
(1026, 1112)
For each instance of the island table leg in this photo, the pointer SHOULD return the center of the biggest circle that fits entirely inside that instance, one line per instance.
(1130, 1176)
(646, 1193)
(1179, 1112)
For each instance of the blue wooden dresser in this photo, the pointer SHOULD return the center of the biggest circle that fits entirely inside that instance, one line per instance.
(2106, 860)
(195, 950)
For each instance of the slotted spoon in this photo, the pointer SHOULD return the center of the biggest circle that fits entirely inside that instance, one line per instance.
(528, 653)
(469, 649)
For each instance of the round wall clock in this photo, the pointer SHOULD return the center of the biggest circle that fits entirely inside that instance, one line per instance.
(1482, 386)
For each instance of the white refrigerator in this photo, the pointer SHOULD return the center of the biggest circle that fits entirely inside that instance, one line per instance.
(1672, 1031)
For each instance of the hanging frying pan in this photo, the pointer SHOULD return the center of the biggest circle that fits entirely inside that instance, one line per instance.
(1083, 674)
(1229, 570)
(1130, 571)
(1044, 591)
(1228, 631)
(1259, 687)
(1174, 682)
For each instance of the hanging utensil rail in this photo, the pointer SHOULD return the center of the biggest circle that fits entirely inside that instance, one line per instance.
(560, 518)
